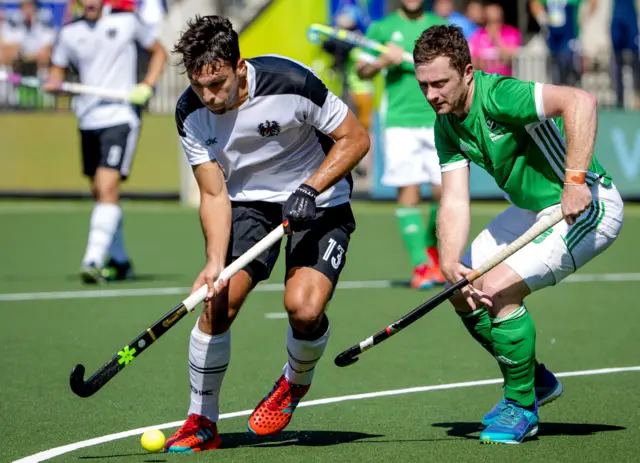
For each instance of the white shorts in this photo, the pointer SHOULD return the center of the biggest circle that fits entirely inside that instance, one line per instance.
(410, 157)
(555, 254)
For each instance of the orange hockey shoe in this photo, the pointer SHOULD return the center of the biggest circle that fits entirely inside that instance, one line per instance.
(274, 412)
(196, 434)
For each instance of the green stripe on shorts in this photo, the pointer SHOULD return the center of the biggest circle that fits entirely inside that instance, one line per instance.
(581, 224)
(592, 225)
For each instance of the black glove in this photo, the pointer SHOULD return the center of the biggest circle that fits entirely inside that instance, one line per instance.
(299, 210)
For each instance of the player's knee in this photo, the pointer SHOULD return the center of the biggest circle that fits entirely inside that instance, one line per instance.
(106, 185)
(501, 294)
(305, 313)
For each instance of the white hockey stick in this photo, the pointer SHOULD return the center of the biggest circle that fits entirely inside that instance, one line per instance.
(69, 87)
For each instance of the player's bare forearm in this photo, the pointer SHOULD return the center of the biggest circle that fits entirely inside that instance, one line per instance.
(581, 124)
(367, 70)
(453, 216)
(578, 110)
(352, 144)
(54, 78)
(215, 211)
(453, 230)
(156, 64)
(215, 218)
(56, 74)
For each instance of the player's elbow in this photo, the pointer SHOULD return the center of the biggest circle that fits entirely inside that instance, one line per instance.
(588, 100)
(362, 141)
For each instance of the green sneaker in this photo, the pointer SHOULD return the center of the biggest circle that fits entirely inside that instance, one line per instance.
(91, 274)
(115, 271)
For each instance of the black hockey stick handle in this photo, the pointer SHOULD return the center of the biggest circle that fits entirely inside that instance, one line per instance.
(145, 339)
(350, 355)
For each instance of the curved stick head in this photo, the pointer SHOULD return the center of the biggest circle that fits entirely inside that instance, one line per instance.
(76, 381)
(345, 359)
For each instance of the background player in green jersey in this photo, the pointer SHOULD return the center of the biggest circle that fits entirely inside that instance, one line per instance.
(536, 141)
(410, 157)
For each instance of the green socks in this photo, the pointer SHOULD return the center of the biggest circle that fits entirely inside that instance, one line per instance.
(431, 236)
(514, 347)
(413, 233)
(511, 340)
(478, 324)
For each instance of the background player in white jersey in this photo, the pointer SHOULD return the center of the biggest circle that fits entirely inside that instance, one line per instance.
(102, 47)
(267, 141)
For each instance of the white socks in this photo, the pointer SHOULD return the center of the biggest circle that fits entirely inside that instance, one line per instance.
(117, 250)
(303, 356)
(104, 222)
(208, 361)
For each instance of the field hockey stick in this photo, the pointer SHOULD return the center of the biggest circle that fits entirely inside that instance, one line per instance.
(68, 87)
(316, 31)
(350, 355)
(87, 388)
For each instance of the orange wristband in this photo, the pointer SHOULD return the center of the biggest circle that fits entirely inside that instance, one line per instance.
(575, 177)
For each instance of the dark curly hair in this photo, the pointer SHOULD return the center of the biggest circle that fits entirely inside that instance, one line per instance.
(208, 41)
(447, 41)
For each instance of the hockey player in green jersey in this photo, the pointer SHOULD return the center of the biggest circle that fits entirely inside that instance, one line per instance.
(410, 157)
(536, 141)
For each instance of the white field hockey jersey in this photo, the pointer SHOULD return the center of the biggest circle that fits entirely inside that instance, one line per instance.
(104, 54)
(275, 140)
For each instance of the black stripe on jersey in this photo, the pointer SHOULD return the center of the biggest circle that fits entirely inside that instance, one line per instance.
(280, 76)
(187, 103)
(326, 142)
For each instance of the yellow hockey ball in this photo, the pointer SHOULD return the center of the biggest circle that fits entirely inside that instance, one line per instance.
(153, 440)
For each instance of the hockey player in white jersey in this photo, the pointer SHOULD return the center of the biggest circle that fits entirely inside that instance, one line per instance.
(101, 45)
(267, 143)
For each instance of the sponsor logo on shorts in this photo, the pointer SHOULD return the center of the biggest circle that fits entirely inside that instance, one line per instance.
(211, 141)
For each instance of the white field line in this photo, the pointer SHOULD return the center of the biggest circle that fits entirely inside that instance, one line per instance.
(263, 287)
(48, 454)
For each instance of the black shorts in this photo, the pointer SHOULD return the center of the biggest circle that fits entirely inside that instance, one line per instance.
(322, 247)
(111, 147)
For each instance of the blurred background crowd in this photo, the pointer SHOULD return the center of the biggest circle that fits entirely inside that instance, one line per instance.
(587, 43)
(592, 44)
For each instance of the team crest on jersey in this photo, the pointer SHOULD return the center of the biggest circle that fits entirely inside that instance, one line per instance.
(496, 130)
(269, 128)
(111, 33)
(397, 36)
